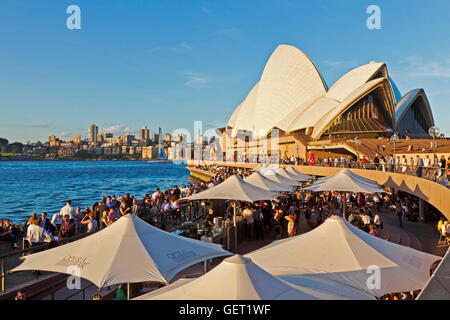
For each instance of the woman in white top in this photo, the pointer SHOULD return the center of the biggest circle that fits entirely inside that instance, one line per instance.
(91, 222)
(427, 165)
(404, 164)
(383, 164)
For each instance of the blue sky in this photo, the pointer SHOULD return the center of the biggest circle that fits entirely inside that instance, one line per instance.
(169, 63)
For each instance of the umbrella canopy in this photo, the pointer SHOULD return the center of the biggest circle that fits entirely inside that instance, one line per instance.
(345, 180)
(283, 172)
(238, 278)
(298, 174)
(438, 287)
(274, 176)
(338, 251)
(234, 188)
(130, 250)
(262, 182)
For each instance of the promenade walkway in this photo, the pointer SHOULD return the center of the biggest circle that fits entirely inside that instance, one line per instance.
(428, 190)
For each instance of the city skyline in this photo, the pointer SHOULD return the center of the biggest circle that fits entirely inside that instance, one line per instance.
(132, 65)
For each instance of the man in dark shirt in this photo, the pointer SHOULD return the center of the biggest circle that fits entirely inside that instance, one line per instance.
(128, 200)
(209, 221)
(44, 222)
(176, 192)
(67, 229)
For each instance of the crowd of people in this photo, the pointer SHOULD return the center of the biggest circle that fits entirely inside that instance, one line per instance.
(263, 219)
(71, 220)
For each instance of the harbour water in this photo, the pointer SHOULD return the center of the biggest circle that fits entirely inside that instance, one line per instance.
(34, 186)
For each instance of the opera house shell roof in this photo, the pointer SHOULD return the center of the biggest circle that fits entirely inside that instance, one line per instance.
(292, 96)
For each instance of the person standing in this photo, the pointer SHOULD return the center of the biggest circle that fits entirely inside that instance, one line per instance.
(399, 213)
(404, 164)
(291, 229)
(391, 163)
(258, 219)
(427, 166)
(136, 209)
(67, 210)
(419, 166)
(209, 222)
(277, 222)
(376, 161)
(250, 223)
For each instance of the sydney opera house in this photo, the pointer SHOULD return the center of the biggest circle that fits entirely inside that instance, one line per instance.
(293, 97)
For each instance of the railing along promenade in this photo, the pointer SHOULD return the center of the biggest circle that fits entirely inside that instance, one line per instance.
(166, 220)
(425, 188)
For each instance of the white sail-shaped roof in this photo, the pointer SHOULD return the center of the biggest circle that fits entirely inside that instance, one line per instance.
(245, 117)
(353, 79)
(356, 94)
(408, 100)
(290, 81)
(292, 96)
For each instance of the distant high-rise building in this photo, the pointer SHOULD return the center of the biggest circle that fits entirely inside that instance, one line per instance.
(167, 137)
(144, 133)
(155, 138)
(161, 152)
(93, 132)
(126, 139)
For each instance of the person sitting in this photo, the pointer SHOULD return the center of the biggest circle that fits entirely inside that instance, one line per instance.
(90, 222)
(21, 295)
(365, 218)
(56, 220)
(373, 231)
(124, 208)
(7, 233)
(67, 228)
(37, 234)
(45, 223)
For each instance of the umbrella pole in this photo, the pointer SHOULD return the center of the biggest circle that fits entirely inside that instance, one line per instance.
(344, 205)
(235, 228)
(128, 291)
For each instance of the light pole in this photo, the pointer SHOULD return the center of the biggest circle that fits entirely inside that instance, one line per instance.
(394, 139)
(323, 150)
(434, 132)
(357, 143)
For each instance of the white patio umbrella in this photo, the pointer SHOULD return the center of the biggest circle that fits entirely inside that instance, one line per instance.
(338, 251)
(234, 188)
(238, 278)
(273, 175)
(262, 182)
(304, 177)
(128, 251)
(297, 177)
(345, 181)
(438, 287)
